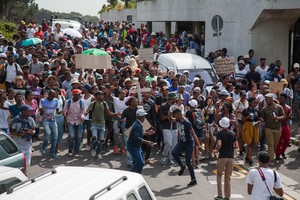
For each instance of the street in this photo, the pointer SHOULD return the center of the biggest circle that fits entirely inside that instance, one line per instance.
(164, 181)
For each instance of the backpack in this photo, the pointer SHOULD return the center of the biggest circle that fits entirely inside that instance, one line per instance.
(3, 77)
(69, 103)
(94, 104)
(198, 120)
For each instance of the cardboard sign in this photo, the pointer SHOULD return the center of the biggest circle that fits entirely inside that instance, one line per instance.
(146, 126)
(275, 87)
(92, 62)
(224, 66)
(146, 54)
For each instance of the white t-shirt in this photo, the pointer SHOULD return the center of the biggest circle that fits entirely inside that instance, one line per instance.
(260, 191)
(4, 114)
(261, 71)
(11, 72)
(235, 96)
(75, 75)
(30, 32)
(119, 105)
(239, 106)
(240, 74)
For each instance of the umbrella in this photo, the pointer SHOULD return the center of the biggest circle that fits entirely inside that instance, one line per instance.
(95, 52)
(31, 41)
(72, 32)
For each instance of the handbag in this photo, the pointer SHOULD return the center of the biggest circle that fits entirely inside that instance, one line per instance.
(272, 197)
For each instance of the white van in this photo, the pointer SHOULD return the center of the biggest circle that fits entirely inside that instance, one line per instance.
(195, 64)
(82, 183)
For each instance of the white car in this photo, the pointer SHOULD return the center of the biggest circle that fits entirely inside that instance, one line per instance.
(82, 183)
(195, 64)
(9, 177)
(67, 23)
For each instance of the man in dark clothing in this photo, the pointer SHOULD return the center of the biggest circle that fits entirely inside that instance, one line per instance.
(252, 76)
(135, 141)
(226, 143)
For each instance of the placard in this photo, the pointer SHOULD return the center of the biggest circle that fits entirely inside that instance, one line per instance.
(92, 62)
(275, 87)
(224, 66)
(146, 126)
(146, 54)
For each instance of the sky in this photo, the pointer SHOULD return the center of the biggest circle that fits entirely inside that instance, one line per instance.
(85, 7)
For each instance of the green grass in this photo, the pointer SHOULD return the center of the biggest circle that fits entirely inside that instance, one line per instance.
(8, 29)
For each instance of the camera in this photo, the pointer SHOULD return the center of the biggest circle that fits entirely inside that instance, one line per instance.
(26, 135)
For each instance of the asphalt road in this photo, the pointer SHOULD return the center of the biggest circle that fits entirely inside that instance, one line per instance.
(164, 181)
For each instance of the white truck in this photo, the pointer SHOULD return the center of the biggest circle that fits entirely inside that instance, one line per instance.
(10, 176)
(82, 183)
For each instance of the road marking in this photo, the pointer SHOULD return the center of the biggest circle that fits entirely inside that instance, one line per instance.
(287, 197)
(241, 169)
(236, 196)
(236, 174)
(214, 182)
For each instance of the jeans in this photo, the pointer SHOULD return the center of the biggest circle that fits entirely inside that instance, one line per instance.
(188, 146)
(128, 155)
(170, 140)
(284, 140)
(60, 121)
(50, 128)
(272, 136)
(75, 135)
(224, 164)
(118, 138)
(98, 131)
(137, 156)
(87, 125)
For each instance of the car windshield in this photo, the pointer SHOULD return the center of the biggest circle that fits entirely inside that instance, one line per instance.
(7, 145)
(208, 75)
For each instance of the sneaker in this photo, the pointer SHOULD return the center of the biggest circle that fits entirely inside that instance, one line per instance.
(192, 183)
(42, 151)
(116, 149)
(70, 154)
(181, 170)
(284, 156)
(163, 160)
(218, 198)
(88, 148)
(93, 152)
(123, 151)
(99, 156)
(201, 157)
(53, 156)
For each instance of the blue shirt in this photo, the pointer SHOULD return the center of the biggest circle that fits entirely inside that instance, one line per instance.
(50, 108)
(172, 89)
(184, 130)
(136, 134)
(15, 110)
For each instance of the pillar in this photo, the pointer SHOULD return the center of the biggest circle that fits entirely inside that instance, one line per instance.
(167, 29)
(197, 28)
(149, 27)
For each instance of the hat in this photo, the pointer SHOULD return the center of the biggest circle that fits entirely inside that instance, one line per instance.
(296, 65)
(99, 77)
(127, 80)
(284, 81)
(26, 107)
(186, 71)
(243, 93)
(224, 122)
(172, 95)
(19, 77)
(115, 77)
(46, 63)
(87, 87)
(23, 22)
(193, 103)
(267, 82)
(269, 95)
(153, 34)
(197, 89)
(224, 93)
(165, 87)
(141, 112)
(107, 86)
(76, 91)
(3, 55)
(123, 53)
(247, 57)
(196, 79)
(75, 81)
(241, 62)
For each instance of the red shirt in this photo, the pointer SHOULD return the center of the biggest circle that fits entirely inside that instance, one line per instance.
(287, 112)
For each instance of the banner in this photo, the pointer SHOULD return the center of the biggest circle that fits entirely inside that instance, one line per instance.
(92, 62)
(275, 87)
(224, 66)
(146, 54)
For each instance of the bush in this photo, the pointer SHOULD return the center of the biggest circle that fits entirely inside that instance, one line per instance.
(8, 29)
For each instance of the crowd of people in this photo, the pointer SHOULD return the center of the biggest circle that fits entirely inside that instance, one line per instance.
(41, 86)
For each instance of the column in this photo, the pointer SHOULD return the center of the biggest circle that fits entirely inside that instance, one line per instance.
(167, 29)
(149, 27)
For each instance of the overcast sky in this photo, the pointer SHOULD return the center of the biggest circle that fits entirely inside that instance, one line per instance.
(85, 7)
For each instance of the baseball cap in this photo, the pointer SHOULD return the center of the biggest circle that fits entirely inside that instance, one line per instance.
(193, 103)
(296, 65)
(76, 91)
(141, 112)
(26, 107)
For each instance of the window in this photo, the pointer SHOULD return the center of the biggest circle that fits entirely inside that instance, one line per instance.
(131, 197)
(7, 144)
(7, 183)
(144, 193)
(129, 18)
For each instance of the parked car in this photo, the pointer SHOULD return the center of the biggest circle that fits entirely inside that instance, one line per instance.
(10, 153)
(9, 177)
(82, 183)
(195, 64)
